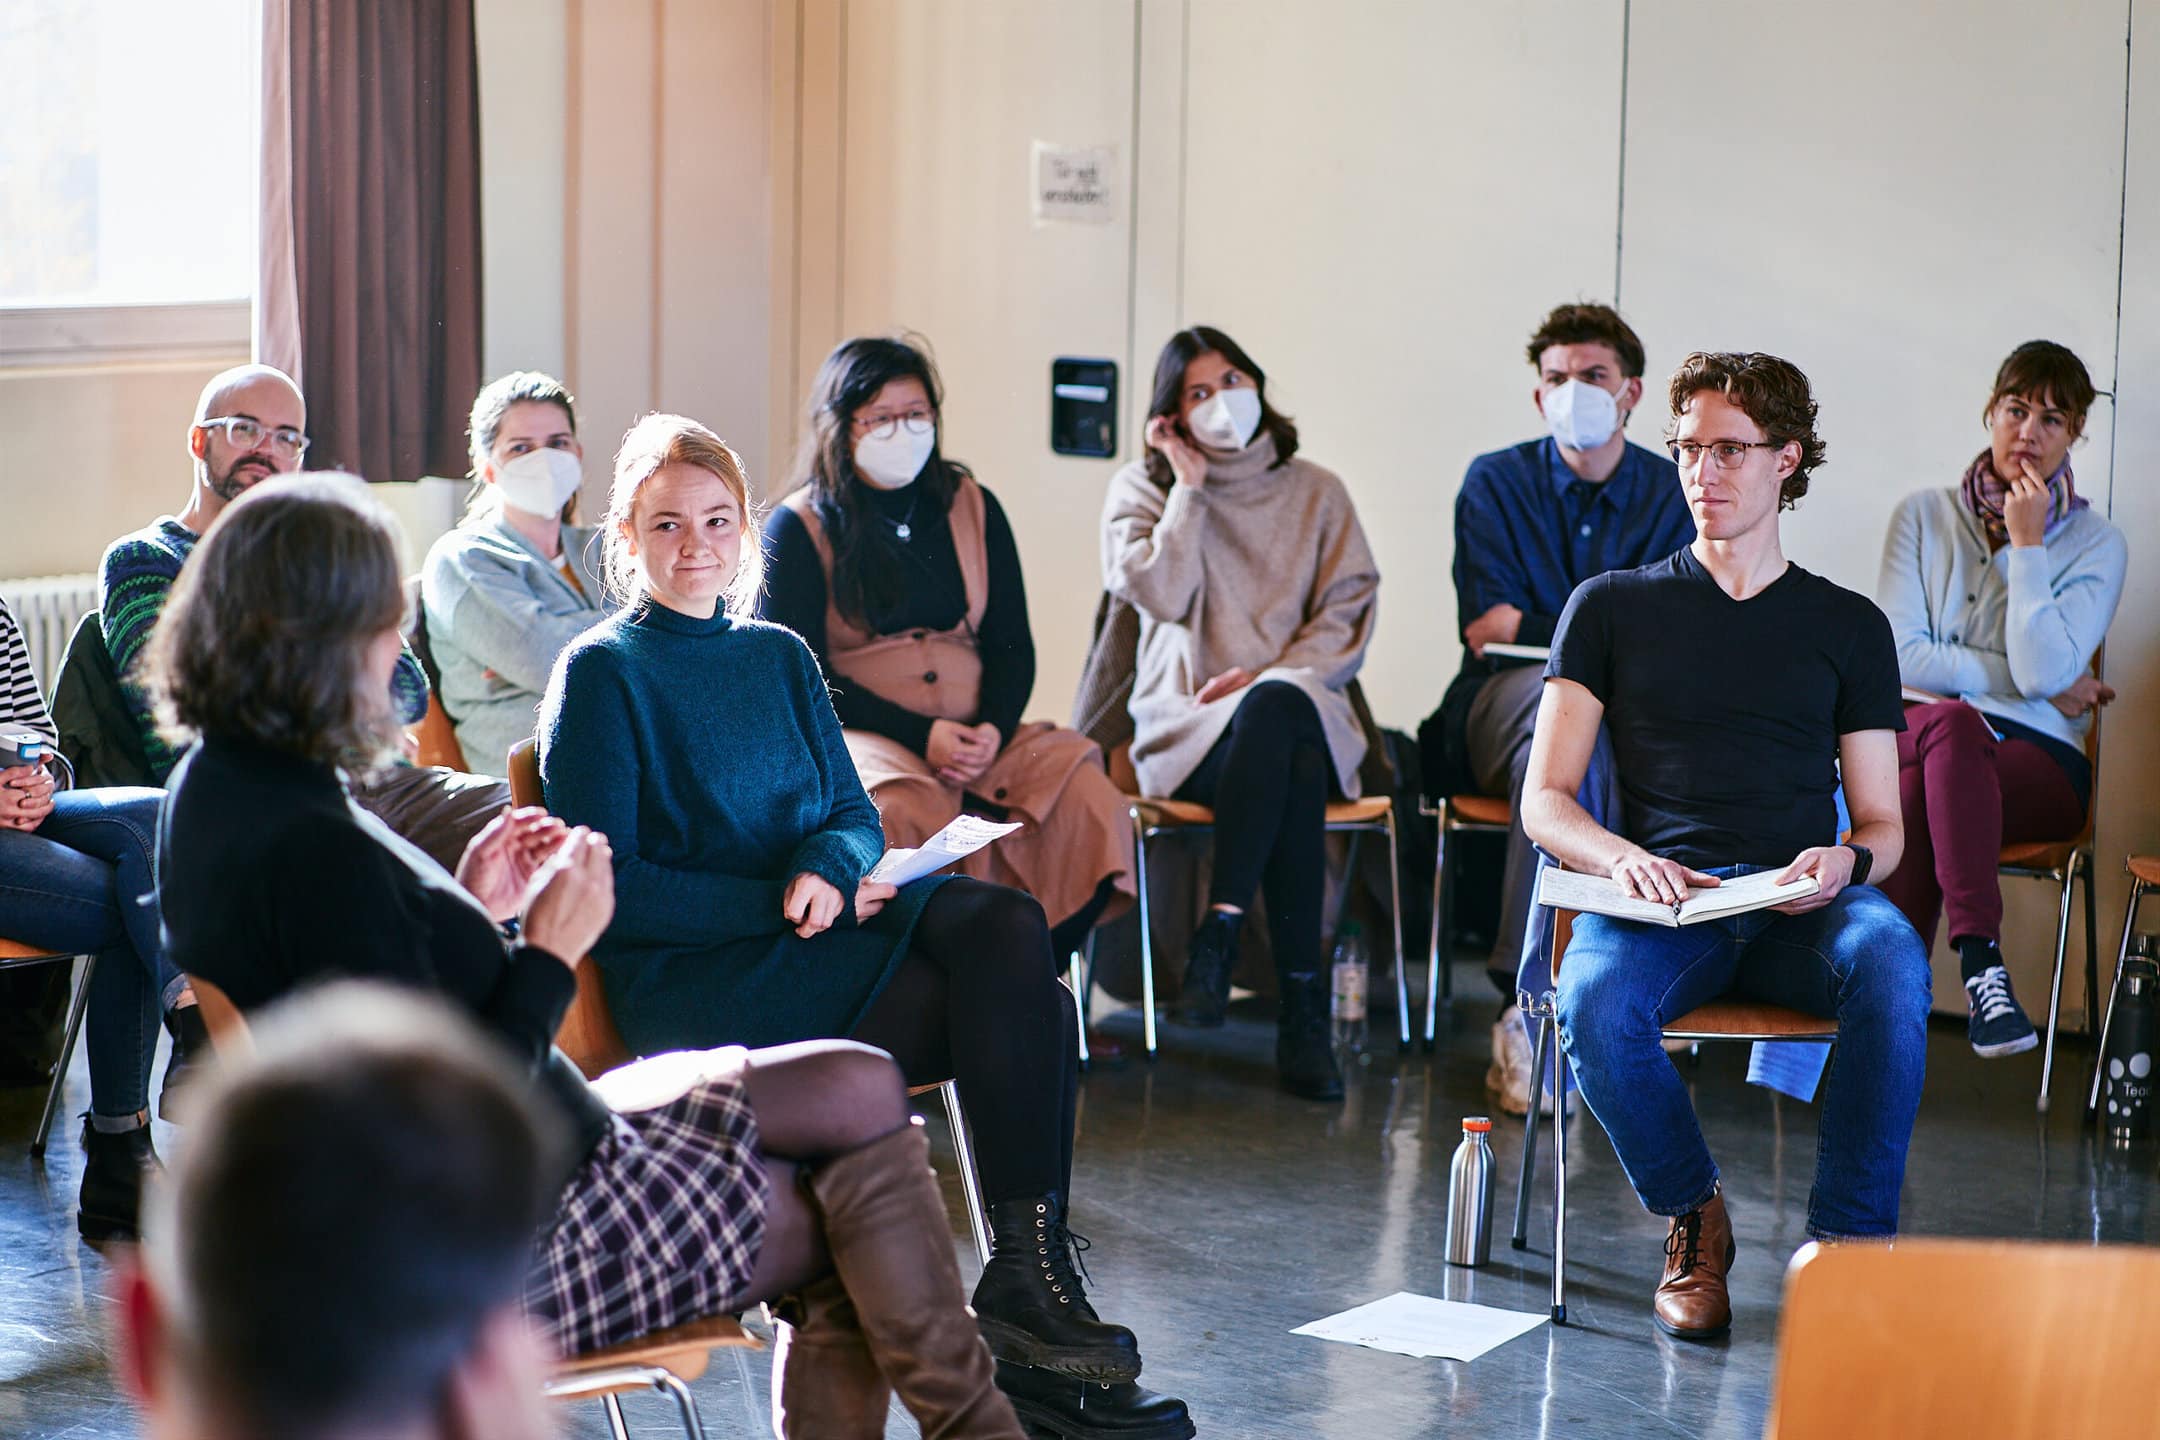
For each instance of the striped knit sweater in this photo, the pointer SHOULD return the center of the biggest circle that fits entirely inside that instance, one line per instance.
(134, 582)
(20, 701)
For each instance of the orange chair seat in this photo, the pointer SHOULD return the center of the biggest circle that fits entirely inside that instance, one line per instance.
(1369, 811)
(16, 950)
(1480, 810)
(681, 1350)
(2037, 855)
(2146, 868)
(1722, 1019)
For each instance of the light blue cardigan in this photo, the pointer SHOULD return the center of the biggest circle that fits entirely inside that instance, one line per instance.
(498, 613)
(2006, 631)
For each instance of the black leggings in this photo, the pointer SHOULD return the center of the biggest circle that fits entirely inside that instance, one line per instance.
(1268, 780)
(977, 999)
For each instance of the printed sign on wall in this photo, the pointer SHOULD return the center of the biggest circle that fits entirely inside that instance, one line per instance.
(1075, 185)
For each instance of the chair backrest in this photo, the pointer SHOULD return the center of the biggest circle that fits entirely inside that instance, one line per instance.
(2092, 752)
(587, 1033)
(2010, 1339)
(435, 738)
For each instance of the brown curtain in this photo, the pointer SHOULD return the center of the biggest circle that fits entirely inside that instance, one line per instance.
(371, 227)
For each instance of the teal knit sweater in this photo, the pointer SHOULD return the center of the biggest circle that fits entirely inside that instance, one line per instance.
(708, 753)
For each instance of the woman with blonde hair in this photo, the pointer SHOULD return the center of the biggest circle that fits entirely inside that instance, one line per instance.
(691, 1185)
(704, 745)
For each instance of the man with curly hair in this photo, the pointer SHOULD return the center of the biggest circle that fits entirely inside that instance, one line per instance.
(1738, 689)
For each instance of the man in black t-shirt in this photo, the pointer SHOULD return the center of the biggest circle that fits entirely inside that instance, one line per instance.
(1739, 691)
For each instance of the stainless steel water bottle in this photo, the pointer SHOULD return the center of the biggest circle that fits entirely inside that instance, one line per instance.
(1469, 1196)
(2127, 1067)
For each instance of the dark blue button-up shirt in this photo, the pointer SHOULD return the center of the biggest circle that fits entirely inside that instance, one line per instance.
(1528, 531)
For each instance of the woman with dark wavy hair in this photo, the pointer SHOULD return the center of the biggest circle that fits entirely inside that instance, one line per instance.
(1256, 593)
(698, 1183)
(899, 571)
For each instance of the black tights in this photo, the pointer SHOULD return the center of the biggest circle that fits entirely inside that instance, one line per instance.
(977, 999)
(1268, 780)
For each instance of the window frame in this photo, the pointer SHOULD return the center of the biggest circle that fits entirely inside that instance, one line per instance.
(48, 336)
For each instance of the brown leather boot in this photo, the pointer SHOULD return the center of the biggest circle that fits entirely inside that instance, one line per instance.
(826, 1383)
(1692, 1302)
(892, 1246)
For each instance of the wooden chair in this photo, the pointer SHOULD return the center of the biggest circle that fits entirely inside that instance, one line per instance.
(2144, 875)
(14, 955)
(2066, 862)
(1453, 815)
(1735, 1019)
(435, 737)
(1153, 816)
(665, 1360)
(2009, 1339)
(589, 1037)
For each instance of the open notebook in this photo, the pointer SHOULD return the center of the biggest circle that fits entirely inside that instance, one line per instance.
(1602, 895)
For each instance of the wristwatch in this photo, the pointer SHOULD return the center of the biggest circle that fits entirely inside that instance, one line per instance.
(1863, 861)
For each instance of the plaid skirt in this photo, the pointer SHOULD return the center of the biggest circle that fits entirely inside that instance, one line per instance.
(661, 1225)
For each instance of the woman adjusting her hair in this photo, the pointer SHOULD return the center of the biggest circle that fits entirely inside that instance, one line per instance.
(1256, 592)
(519, 578)
(900, 573)
(704, 746)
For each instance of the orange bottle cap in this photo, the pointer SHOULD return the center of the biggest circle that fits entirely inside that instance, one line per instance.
(1477, 1123)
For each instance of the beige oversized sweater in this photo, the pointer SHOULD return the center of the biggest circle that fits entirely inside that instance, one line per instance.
(1263, 567)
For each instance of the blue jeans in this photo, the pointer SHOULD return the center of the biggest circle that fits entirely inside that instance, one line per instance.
(1857, 959)
(83, 882)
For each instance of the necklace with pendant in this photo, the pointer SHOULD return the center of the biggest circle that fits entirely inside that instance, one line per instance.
(902, 527)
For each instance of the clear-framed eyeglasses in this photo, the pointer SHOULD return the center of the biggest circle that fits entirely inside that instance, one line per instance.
(884, 427)
(245, 434)
(1724, 454)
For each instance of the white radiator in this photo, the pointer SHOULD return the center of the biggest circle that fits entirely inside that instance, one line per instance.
(48, 609)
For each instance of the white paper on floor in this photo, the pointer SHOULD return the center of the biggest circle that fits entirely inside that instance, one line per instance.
(1408, 1324)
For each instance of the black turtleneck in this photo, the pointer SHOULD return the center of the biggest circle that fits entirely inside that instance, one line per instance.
(935, 598)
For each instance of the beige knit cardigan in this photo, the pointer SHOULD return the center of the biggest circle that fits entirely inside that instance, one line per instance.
(1264, 567)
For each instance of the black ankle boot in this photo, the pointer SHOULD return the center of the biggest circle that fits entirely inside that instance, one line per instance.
(1030, 1303)
(1209, 959)
(1057, 1407)
(110, 1205)
(190, 1048)
(1304, 1046)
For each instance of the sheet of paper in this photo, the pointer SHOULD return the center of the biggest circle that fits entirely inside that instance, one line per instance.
(1598, 894)
(1407, 1324)
(1743, 893)
(1519, 652)
(962, 838)
(1790, 1067)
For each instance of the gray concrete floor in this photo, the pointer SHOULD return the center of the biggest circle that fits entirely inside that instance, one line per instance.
(1224, 1214)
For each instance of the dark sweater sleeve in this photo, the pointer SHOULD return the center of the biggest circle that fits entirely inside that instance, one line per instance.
(590, 764)
(795, 596)
(1006, 642)
(842, 850)
(353, 907)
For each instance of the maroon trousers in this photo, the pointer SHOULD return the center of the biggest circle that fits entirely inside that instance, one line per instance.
(1965, 795)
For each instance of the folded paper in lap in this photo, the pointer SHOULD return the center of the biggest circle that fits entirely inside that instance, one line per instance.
(962, 838)
(1601, 895)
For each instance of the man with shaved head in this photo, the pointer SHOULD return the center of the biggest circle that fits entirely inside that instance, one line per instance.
(251, 423)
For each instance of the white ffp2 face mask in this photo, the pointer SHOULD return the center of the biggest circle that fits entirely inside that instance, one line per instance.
(891, 461)
(1581, 416)
(1226, 420)
(540, 482)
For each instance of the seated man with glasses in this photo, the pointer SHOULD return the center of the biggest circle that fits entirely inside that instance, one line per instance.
(1737, 688)
(250, 423)
(1532, 522)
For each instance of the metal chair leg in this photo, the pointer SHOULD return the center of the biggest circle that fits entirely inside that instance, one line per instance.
(1402, 961)
(616, 1428)
(76, 1006)
(2062, 946)
(1559, 1204)
(1521, 1237)
(1074, 979)
(1147, 933)
(963, 1145)
(685, 1404)
(1432, 964)
(2092, 949)
(2137, 893)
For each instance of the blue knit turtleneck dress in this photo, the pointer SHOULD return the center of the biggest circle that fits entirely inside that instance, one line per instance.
(707, 751)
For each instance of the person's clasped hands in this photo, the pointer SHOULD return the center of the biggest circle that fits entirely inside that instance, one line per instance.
(26, 796)
(557, 880)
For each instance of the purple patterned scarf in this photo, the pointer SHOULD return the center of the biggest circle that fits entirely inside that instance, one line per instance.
(1985, 491)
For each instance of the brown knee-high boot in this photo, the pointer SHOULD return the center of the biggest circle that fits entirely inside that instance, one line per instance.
(892, 1246)
(826, 1383)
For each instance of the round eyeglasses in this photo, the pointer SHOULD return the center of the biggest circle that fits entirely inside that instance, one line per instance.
(884, 427)
(1724, 454)
(245, 434)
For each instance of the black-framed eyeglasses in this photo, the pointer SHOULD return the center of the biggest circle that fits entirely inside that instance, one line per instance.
(246, 434)
(1725, 454)
(884, 427)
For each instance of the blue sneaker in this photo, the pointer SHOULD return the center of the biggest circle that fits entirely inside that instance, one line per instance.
(1998, 1026)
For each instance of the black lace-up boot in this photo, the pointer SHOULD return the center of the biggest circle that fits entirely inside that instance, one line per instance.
(1209, 959)
(1031, 1305)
